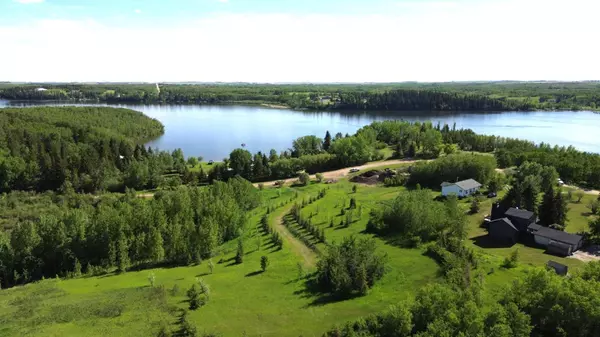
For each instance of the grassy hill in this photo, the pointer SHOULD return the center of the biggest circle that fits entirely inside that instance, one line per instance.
(243, 300)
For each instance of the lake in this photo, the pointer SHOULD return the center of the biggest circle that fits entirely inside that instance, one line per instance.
(212, 131)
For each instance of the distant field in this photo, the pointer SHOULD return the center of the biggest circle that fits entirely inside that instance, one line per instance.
(244, 301)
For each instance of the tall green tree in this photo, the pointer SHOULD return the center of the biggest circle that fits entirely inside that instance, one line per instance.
(327, 141)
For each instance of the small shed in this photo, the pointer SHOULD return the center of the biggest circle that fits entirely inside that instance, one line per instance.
(559, 268)
(503, 230)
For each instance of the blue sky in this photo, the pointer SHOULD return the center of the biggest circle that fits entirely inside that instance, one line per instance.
(298, 40)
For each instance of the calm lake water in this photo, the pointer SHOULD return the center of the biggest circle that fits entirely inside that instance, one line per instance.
(213, 131)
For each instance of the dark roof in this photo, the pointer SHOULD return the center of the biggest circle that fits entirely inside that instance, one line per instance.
(560, 236)
(468, 184)
(519, 213)
(506, 221)
(558, 267)
(534, 227)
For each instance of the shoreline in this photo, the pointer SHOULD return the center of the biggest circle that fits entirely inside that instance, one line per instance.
(278, 106)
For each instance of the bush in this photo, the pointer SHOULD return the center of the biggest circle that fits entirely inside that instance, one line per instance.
(350, 268)
(304, 178)
(261, 186)
(319, 177)
(512, 260)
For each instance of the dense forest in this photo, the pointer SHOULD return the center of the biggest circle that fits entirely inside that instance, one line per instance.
(392, 96)
(92, 235)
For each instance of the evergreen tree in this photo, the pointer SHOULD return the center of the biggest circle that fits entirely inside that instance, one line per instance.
(561, 209)
(194, 298)
(327, 141)
(264, 263)
(547, 213)
(239, 256)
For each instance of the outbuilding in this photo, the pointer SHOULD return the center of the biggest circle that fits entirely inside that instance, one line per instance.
(559, 268)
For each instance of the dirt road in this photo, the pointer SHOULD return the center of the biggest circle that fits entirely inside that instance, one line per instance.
(308, 256)
(337, 174)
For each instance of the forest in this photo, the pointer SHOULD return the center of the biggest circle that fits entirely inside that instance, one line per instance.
(485, 96)
(70, 211)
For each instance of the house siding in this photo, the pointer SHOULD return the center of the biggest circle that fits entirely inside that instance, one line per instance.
(452, 190)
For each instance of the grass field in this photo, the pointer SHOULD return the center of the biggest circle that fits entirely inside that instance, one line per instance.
(244, 301)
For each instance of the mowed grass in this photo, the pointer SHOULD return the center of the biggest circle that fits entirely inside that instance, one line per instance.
(243, 299)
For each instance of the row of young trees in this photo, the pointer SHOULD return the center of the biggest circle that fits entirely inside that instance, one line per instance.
(176, 227)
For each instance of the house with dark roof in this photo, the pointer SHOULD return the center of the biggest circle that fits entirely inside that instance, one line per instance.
(521, 218)
(559, 268)
(557, 242)
(463, 188)
(503, 230)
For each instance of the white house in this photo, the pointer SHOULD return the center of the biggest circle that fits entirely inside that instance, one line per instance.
(461, 188)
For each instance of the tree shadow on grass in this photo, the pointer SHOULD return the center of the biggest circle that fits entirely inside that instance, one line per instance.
(485, 241)
(203, 274)
(254, 273)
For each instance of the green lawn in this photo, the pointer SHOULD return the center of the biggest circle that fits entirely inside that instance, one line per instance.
(245, 301)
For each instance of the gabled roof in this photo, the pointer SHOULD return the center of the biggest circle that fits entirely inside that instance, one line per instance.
(465, 184)
(468, 184)
(505, 221)
(559, 236)
(519, 213)
(534, 227)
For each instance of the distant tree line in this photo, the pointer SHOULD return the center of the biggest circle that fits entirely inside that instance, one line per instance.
(91, 235)
(388, 96)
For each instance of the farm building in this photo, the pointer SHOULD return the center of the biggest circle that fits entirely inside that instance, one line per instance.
(557, 242)
(463, 188)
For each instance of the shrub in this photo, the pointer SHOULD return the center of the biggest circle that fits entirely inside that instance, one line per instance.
(319, 177)
(512, 260)
(304, 178)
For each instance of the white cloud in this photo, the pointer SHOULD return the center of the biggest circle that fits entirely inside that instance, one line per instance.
(138, 11)
(512, 39)
(29, 1)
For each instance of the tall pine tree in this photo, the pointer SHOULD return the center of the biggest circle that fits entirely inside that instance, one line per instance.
(327, 141)
(561, 209)
(546, 212)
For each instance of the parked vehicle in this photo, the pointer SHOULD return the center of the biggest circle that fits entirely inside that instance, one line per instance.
(354, 170)
(492, 195)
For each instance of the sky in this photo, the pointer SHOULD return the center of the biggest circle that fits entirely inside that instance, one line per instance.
(298, 40)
